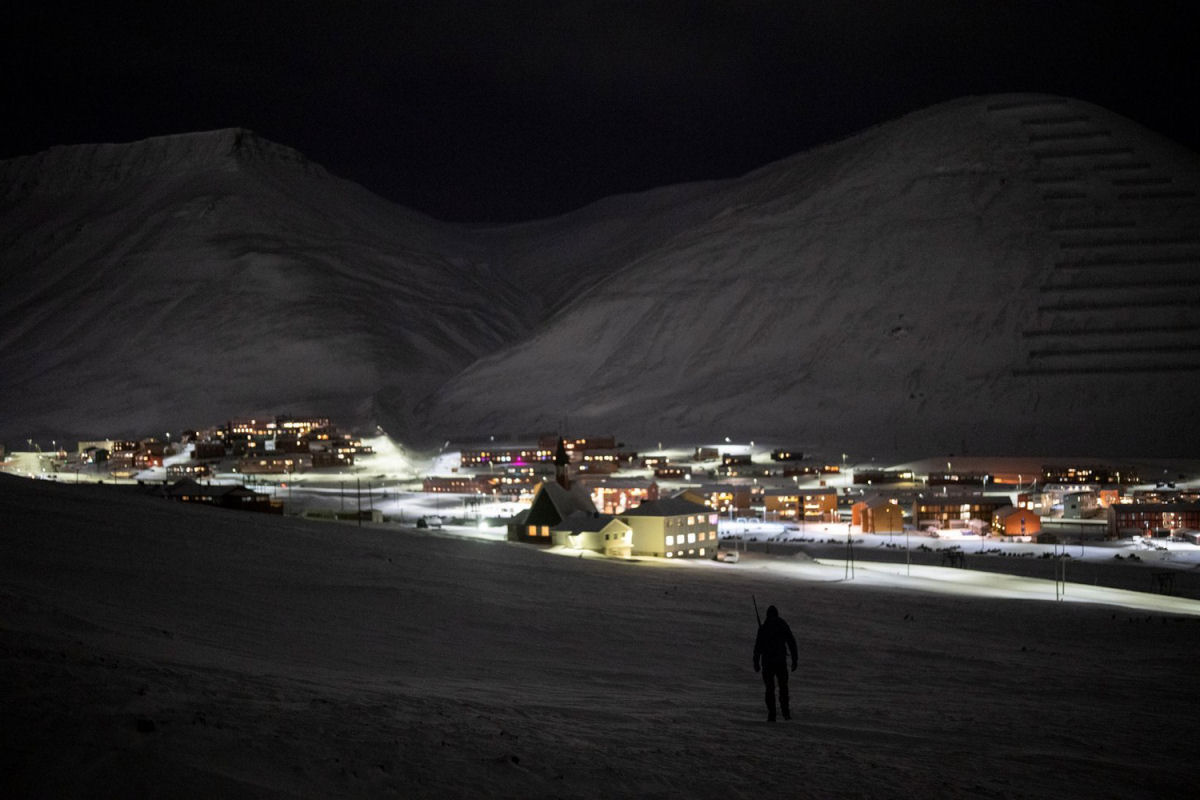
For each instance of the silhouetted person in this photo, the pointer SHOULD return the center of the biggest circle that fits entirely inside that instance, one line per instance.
(771, 648)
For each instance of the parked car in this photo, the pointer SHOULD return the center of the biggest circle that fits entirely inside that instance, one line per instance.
(729, 556)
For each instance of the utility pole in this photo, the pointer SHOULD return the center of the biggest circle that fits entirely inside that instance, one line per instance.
(849, 552)
(358, 498)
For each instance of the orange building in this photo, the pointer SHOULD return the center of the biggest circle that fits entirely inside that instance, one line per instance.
(879, 515)
(1012, 521)
(819, 505)
(781, 504)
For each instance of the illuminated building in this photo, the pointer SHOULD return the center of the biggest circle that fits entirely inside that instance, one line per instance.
(819, 505)
(781, 504)
(486, 457)
(551, 505)
(250, 427)
(603, 462)
(1088, 475)
(675, 473)
(456, 484)
(301, 426)
(614, 496)
(271, 463)
(238, 498)
(1013, 521)
(723, 498)
(1147, 519)
(958, 478)
(188, 470)
(576, 444)
(878, 515)
(946, 512)
(602, 533)
(672, 527)
(865, 477)
(328, 459)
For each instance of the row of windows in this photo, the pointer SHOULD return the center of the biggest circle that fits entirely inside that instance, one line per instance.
(693, 520)
(690, 552)
(691, 538)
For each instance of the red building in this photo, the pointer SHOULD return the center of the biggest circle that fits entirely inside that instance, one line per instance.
(1148, 519)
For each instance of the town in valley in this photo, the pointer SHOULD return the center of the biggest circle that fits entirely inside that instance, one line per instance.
(601, 496)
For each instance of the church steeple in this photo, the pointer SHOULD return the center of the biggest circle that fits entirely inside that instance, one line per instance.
(561, 460)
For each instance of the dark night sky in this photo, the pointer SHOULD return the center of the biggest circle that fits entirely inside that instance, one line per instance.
(498, 111)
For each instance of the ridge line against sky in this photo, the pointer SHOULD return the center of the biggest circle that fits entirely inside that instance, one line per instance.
(496, 112)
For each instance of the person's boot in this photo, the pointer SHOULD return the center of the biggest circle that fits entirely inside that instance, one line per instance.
(787, 714)
(771, 715)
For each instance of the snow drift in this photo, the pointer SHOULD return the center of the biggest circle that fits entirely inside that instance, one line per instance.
(1013, 274)
(148, 649)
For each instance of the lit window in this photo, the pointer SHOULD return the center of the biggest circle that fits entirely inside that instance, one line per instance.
(701, 551)
(691, 521)
(670, 540)
(691, 537)
(669, 554)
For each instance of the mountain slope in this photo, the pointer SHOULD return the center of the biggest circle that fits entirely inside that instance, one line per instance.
(1001, 274)
(187, 278)
(1011, 274)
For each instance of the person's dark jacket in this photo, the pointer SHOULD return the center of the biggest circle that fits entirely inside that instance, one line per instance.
(774, 641)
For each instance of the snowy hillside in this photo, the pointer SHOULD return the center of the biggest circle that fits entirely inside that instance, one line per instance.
(149, 649)
(1013, 274)
(994, 275)
(184, 279)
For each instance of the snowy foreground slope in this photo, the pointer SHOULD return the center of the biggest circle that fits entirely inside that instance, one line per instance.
(994, 275)
(153, 650)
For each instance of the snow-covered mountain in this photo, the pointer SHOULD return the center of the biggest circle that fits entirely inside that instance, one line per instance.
(999, 274)
(181, 280)
(1002, 274)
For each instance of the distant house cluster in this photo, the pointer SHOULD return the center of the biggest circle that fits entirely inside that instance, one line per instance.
(250, 446)
(605, 507)
(284, 445)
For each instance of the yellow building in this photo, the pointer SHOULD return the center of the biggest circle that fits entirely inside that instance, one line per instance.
(672, 527)
(603, 533)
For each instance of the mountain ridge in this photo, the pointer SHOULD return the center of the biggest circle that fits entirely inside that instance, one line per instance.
(852, 249)
(910, 289)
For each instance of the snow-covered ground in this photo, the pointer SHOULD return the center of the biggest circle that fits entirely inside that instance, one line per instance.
(148, 648)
